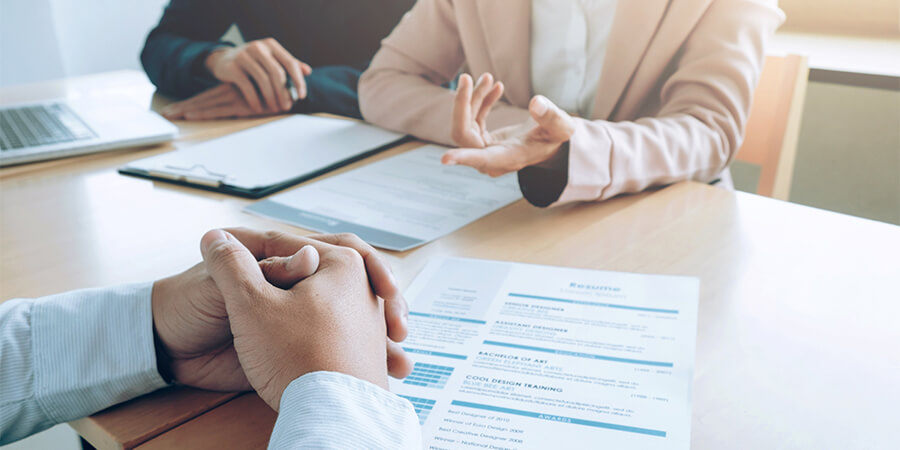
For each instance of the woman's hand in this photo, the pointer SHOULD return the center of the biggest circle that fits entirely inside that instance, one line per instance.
(470, 111)
(508, 149)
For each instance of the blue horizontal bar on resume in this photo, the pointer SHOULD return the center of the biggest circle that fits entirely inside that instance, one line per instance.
(563, 419)
(326, 224)
(432, 353)
(584, 302)
(579, 354)
(455, 319)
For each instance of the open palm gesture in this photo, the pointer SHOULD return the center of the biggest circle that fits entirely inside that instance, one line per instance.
(508, 149)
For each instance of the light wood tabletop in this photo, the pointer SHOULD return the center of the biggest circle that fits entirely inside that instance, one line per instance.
(798, 331)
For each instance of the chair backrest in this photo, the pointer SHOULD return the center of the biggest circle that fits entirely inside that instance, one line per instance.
(770, 138)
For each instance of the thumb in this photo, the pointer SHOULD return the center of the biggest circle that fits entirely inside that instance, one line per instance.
(399, 363)
(285, 272)
(557, 124)
(232, 267)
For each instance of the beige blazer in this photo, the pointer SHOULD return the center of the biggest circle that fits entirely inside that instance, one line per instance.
(671, 104)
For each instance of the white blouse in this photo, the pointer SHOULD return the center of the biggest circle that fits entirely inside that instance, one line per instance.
(568, 45)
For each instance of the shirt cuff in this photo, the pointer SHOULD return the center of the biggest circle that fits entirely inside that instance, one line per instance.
(334, 410)
(93, 349)
(542, 185)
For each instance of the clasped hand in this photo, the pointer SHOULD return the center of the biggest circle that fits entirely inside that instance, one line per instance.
(263, 309)
(507, 149)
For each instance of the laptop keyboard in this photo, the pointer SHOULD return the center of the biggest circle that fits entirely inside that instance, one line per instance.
(34, 125)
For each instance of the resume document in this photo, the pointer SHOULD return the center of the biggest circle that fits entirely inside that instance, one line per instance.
(397, 203)
(516, 356)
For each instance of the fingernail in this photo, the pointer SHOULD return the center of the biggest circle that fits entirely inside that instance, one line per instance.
(541, 105)
(303, 256)
(293, 260)
(217, 236)
(289, 262)
(213, 238)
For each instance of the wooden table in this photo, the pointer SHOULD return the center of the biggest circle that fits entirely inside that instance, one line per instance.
(798, 342)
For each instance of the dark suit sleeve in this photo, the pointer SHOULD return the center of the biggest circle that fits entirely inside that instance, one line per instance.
(175, 50)
(332, 89)
(333, 86)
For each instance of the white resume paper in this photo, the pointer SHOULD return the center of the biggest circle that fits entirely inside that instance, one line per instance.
(397, 203)
(517, 356)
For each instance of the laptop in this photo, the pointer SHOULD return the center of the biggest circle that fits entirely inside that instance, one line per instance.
(60, 128)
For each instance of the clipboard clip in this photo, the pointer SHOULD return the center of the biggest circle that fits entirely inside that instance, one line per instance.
(196, 174)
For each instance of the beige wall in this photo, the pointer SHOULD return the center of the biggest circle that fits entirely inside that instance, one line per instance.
(863, 17)
(50, 39)
(848, 156)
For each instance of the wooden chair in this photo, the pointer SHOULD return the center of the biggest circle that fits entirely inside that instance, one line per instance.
(770, 139)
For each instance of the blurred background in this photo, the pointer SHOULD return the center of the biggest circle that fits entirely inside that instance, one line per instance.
(848, 156)
(51, 39)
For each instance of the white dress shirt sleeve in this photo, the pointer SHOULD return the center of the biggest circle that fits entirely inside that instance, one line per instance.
(70, 355)
(67, 356)
(333, 410)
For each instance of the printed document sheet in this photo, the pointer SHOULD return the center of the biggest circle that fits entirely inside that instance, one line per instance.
(397, 203)
(520, 356)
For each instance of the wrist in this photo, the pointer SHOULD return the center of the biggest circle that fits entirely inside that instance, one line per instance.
(212, 59)
(557, 158)
(163, 358)
(374, 373)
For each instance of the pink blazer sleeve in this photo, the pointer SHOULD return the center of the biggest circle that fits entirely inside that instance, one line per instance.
(699, 127)
(402, 90)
